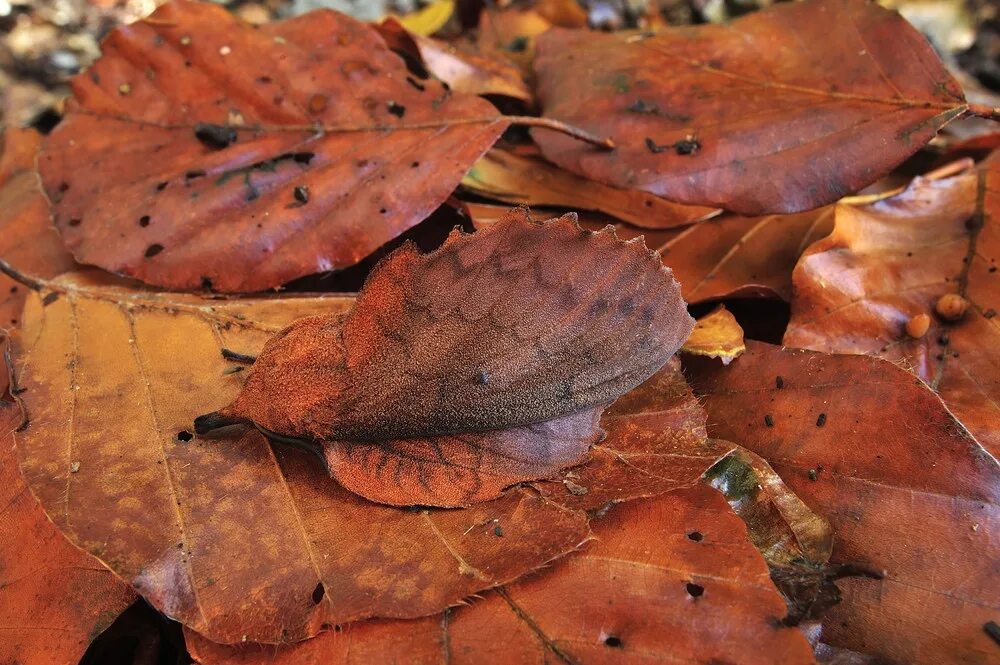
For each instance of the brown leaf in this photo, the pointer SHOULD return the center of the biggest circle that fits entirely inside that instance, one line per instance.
(55, 599)
(780, 111)
(235, 539)
(739, 257)
(669, 580)
(716, 335)
(891, 261)
(910, 495)
(506, 176)
(27, 238)
(465, 70)
(200, 152)
(461, 372)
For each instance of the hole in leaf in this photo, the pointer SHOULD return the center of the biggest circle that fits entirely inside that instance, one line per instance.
(153, 250)
(695, 536)
(144, 221)
(613, 641)
(318, 593)
(695, 590)
(184, 436)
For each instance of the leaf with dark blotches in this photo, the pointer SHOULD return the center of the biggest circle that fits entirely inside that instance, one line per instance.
(27, 238)
(912, 498)
(482, 364)
(671, 580)
(890, 262)
(783, 110)
(236, 538)
(202, 152)
(54, 599)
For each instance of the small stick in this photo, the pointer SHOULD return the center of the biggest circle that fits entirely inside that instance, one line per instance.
(238, 357)
(983, 111)
(569, 130)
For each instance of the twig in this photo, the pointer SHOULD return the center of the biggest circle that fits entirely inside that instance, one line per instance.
(983, 111)
(569, 130)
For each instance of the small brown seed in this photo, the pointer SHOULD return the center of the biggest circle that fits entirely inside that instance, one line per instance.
(917, 326)
(951, 306)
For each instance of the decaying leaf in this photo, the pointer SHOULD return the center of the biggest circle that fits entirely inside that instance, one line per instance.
(461, 372)
(783, 110)
(27, 237)
(201, 152)
(55, 599)
(113, 378)
(716, 335)
(910, 495)
(506, 176)
(463, 69)
(739, 257)
(890, 262)
(669, 580)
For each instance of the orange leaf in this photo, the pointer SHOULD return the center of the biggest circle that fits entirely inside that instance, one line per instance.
(55, 598)
(238, 539)
(669, 580)
(910, 495)
(716, 335)
(783, 110)
(202, 152)
(461, 372)
(890, 262)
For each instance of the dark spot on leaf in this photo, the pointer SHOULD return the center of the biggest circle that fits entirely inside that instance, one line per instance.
(206, 283)
(153, 250)
(318, 593)
(397, 110)
(695, 590)
(74, 222)
(498, 532)
(303, 157)
(821, 420)
(191, 175)
(301, 194)
(184, 436)
(779, 382)
(613, 641)
(695, 536)
(687, 146)
(414, 165)
(50, 298)
(518, 44)
(768, 420)
(483, 377)
(160, 186)
(144, 221)
(654, 148)
(215, 137)
(415, 83)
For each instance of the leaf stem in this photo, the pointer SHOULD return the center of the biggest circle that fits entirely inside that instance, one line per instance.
(559, 126)
(984, 111)
(31, 282)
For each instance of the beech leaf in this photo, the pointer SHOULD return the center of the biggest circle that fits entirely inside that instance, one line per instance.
(55, 598)
(482, 364)
(782, 110)
(668, 580)
(112, 376)
(889, 263)
(716, 335)
(202, 152)
(911, 496)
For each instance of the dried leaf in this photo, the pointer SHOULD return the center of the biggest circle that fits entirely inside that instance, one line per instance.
(55, 599)
(716, 335)
(465, 70)
(506, 176)
(461, 372)
(428, 20)
(673, 579)
(27, 238)
(783, 110)
(740, 257)
(910, 495)
(890, 262)
(201, 152)
(114, 376)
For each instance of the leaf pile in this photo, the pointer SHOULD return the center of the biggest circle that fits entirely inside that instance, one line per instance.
(433, 444)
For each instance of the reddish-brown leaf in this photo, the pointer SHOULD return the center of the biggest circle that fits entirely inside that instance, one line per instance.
(55, 598)
(909, 493)
(780, 111)
(740, 257)
(461, 372)
(890, 262)
(506, 176)
(27, 238)
(669, 580)
(234, 538)
(316, 146)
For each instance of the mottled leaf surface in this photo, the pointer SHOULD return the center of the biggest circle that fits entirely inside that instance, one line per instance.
(463, 371)
(235, 538)
(911, 496)
(890, 261)
(783, 110)
(673, 579)
(200, 152)
(54, 599)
